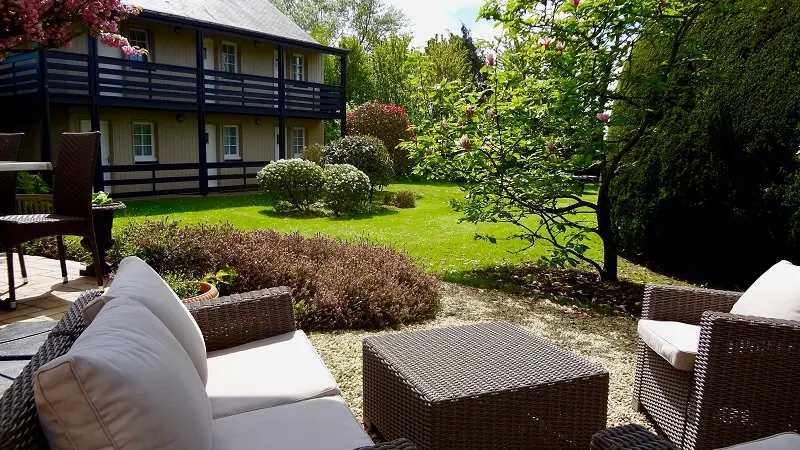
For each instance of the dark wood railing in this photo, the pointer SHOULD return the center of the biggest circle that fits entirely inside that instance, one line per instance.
(19, 75)
(145, 80)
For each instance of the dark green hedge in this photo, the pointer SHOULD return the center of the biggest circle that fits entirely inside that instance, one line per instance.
(713, 195)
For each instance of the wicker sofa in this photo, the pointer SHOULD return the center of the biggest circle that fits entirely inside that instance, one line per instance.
(741, 383)
(263, 377)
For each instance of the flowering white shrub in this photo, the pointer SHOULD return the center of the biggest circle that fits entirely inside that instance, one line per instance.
(346, 188)
(294, 181)
(367, 153)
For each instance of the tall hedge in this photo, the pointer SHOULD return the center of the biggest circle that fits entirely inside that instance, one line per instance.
(714, 194)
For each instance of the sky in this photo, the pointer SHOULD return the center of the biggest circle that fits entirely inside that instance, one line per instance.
(430, 17)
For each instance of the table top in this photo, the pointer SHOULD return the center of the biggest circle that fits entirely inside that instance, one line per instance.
(16, 166)
(469, 360)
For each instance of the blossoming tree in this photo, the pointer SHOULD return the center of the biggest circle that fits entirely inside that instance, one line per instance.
(54, 23)
(521, 148)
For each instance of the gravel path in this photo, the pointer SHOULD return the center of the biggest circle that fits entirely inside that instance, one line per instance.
(607, 341)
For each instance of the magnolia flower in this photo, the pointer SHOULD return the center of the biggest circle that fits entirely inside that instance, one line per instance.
(444, 123)
(560, 47)
(461, 124)
(551, 146)
(491, 112)
(470, 111)
(604, 117)
(545, 42)
(490, 60)
(576, 2)
(464, 142)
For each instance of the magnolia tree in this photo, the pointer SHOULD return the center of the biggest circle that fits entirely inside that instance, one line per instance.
(519, 146)
(54, 23)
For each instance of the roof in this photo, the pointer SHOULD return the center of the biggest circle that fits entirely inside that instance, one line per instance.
(259, 16)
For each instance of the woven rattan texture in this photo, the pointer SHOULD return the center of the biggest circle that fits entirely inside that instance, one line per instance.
(10, 149)
(230, 321)
(481, 386)
(744, 386)
(629, 437)
(397, 444)
(74, 174)
(19, 423)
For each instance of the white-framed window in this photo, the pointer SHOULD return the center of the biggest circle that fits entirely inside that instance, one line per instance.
(298, 67)
(229, 58)
(298, 141)
(144, 148)
(230, 141)
(139, 37)
(275, 64)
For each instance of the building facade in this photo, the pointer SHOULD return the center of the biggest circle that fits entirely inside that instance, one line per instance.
(226, 87)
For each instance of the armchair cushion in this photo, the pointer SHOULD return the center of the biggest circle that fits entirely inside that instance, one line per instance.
(126, 383)
(322, 423)
(138, 281)
(776, 294)
(783, 441)
(269, 372)
(674, 341)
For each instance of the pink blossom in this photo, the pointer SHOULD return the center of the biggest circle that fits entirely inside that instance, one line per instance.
(461, 124)
(491, 112)
(444, 123)
(604, 117)
(470, 111)
(464, 142)
(490, 60)
(576, 2)
(560, 47)
(545, 42)
(551, 146)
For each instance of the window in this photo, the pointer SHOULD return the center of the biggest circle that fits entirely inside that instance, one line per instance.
(144, 149)
(275, 64)
(139, 37)
(229, 63)
(298, 141)
(298, 67)
(230, 141)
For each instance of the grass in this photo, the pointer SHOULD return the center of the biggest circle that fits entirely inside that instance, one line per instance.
(431, 232)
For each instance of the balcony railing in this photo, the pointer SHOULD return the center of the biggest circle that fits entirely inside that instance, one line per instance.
(137, 83)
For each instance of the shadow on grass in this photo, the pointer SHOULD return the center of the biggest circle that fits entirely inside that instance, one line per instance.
(566, 287)
(318, 214)
(188, 204)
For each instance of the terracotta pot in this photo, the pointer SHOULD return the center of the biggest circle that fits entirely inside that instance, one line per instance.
(207, 292)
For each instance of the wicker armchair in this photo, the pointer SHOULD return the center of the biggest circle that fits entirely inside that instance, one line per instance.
(745, 380)
(11, 150)
(225, 322)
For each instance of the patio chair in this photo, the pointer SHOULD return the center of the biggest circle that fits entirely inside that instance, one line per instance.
(72, 206)
(11, 150)
(716, 368)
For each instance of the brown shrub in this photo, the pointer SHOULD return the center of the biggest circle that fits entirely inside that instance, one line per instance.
(404, 199)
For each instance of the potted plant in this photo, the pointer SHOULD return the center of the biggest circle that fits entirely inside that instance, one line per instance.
(103, 208)
(211, 284)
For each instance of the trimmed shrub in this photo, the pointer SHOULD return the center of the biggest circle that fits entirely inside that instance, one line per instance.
(366, 153)
(295, 182)
(346, 189)
(313, 153)
(712, 195)
(404, 199)
(390, 124)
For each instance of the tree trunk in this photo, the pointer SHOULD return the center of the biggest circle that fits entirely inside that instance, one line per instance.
(609, 272)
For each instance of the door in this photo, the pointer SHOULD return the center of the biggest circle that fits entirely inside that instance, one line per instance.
(113, 80)
(277, 145)
(209, 64)
(105, 144)
(211, 151)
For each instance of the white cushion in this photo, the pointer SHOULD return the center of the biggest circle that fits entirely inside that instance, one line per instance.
(783, 441)
(136, 280)
(674, 341)
(776, 294)
(323, 423)
(262, 374)
(126, 383)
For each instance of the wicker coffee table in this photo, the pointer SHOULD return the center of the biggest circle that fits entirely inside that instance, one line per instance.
(484, 386)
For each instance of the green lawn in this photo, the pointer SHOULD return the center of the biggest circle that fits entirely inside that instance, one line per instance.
(430, 232)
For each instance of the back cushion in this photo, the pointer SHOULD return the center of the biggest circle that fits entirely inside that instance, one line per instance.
(138, 281)
(776, 294)
(126, 383)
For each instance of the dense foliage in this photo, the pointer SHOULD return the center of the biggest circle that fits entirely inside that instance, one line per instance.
(388, 123)
(313, 153)
(346, 189)
(404, 199)
(713, 194)
(367, 153)
(294, 182)
(335, 284)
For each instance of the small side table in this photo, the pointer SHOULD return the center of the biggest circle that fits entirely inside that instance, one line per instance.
(103, 224)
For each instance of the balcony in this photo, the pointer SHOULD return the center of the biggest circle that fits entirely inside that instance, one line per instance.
(137, 84)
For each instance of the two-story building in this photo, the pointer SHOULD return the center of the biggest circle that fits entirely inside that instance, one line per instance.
(226, 87)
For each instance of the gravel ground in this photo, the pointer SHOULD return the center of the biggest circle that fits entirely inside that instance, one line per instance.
(607, 341)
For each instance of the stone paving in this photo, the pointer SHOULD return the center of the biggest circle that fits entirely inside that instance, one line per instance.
(44, 296)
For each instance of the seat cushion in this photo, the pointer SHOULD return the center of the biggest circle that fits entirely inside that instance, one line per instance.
(262, 374)
(674, 341)
(322, 423)
(783, 441)
(136, 280)
(126, 383)
(775, 294)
